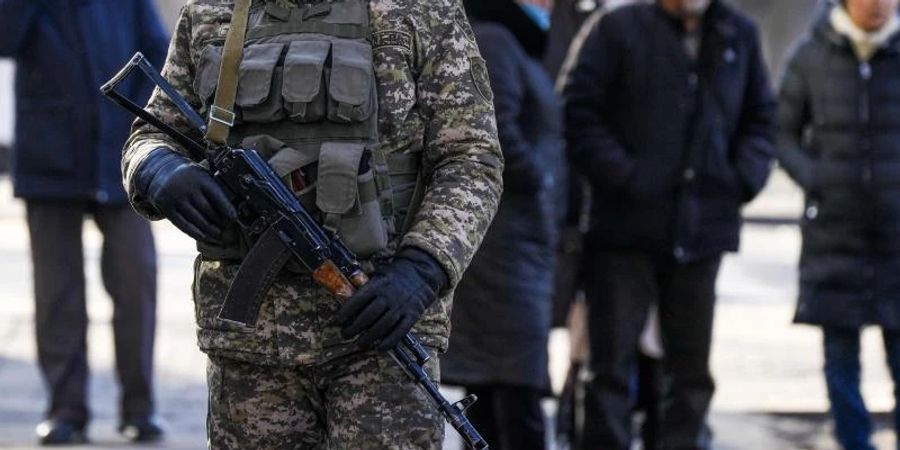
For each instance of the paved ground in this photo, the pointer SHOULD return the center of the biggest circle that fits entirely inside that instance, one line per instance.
(771, 395)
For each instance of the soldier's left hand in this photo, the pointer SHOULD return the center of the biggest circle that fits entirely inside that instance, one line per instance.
(385, 309)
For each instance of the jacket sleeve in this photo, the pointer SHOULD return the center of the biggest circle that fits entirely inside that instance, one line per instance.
(16, 17)
(793, 117)
(522, 171)
(179, 71)
(593, 148)
(462, 161)
(755, 138)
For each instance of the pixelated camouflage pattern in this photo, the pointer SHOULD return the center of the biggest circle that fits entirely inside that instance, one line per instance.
(367, 400)
(294, 324)
(432, 98)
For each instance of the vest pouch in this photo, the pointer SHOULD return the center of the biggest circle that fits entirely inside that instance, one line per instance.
(347, 197)
(351, 88)
(297, 168)
(208, 74)
(257, 99)
(303, 86)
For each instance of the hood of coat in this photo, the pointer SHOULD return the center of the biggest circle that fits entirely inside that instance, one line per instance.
(888, 38)
(864, 43)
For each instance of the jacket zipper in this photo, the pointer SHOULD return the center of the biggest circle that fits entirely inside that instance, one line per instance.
(865, 75)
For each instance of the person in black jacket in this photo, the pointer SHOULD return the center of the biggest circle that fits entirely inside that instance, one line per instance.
(66, 165)
(670, 117)
(839, 138)
(503, 305)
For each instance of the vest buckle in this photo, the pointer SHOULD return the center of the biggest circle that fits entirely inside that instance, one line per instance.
(222, 115)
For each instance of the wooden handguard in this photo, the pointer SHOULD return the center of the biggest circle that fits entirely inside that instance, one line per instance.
(330, 277)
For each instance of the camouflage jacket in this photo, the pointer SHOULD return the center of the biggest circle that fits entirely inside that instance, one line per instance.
(433, 95)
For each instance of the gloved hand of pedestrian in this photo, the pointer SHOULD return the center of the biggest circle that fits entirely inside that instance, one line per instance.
(387, 307)
(186, 194)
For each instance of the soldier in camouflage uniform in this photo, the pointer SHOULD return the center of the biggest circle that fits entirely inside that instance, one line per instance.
(297, 378)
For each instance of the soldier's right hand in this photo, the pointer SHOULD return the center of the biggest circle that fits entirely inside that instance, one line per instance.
(186, 194)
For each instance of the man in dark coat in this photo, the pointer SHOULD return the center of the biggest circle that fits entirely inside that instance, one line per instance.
(670, 117)
(503, 305)
(839, 138)
(66, 164)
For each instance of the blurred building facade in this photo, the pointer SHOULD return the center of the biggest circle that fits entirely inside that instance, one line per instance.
(168, 9)
(781, 22)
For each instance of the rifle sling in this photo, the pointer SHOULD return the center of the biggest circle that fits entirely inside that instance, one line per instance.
(254, 277)
(221, 113)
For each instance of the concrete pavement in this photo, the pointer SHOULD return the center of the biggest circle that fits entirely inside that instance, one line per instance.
(771, 395)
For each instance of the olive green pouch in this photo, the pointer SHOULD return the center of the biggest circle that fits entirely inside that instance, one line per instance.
(208, 73)
(303, 88)
(350, 88)
(258, 99)
(346, 195)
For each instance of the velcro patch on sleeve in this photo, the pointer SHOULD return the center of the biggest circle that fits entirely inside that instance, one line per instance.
(392, 38)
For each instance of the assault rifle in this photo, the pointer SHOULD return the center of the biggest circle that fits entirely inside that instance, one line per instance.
(282, 229)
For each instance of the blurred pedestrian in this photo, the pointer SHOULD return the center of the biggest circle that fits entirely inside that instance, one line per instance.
(839, 139)
(670, 117)
(566, 19)
(67, 155)
(570, 271)
(503, 305)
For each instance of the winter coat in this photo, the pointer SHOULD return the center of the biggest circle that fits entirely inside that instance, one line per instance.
(839, 138)
(502, 307)
(68, 139)
(672, 147)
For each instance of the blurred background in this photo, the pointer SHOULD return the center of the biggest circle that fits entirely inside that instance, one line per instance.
(770, 396)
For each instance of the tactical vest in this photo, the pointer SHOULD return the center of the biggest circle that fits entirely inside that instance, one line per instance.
(307, 101)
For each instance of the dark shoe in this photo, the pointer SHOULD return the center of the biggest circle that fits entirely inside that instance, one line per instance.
(60, 432)
(144, 430)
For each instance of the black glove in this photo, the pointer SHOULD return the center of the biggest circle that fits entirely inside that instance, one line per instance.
(186, 194)
(387, 307)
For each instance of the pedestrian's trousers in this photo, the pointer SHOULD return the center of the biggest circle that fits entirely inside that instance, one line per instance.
(509, 417)
(853, 427)
(128, 268)
(621, 287)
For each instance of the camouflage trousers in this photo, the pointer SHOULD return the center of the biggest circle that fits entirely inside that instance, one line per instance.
(360, 401)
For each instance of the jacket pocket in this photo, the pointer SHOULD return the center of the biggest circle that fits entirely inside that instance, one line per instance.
(212, 280)
(351, 93)
(718, 171)
(50, 149)
(303, 87)
(257, 98)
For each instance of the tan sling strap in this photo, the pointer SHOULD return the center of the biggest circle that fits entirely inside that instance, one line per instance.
(221, 113)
